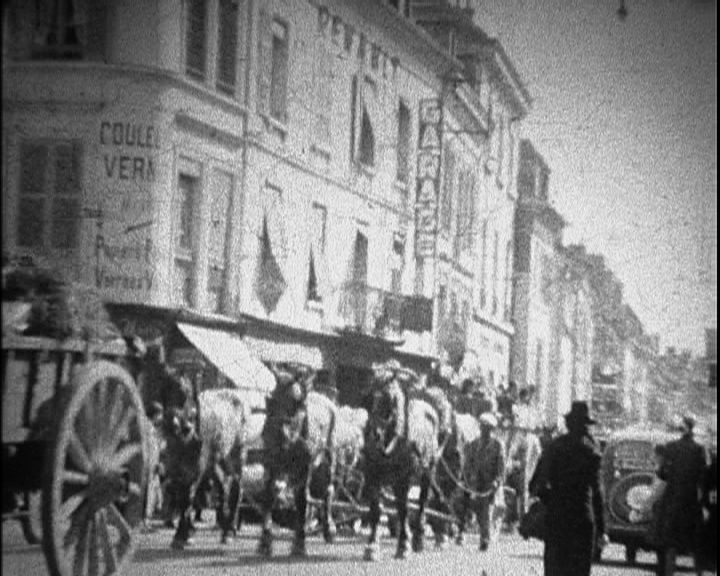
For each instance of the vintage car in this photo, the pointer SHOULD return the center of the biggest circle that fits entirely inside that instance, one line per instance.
(628, 472)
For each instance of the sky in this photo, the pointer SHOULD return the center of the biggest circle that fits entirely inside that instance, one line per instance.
(625, 114)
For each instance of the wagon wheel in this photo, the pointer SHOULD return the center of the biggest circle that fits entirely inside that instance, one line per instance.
(95, 474)
(31, 524)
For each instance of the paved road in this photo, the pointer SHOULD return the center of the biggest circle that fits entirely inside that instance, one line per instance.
(510, 556)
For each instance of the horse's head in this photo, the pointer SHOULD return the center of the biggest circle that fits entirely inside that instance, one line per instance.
(385, 403)
(286, 406)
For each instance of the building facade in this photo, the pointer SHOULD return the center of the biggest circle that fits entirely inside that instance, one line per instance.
(537, 295)
(478, 195)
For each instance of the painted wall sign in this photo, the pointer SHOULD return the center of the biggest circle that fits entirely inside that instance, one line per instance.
(428, 177)
(123, 257)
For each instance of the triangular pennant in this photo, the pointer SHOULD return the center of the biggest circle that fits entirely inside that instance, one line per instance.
(270, 283)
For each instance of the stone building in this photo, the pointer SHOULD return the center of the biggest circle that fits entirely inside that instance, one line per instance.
(536, 296)
(479, 190)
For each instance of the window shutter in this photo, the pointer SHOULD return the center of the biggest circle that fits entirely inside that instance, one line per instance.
(67, 199)
(31, 209)
(21, 27)
(227, 46)
(95, 29)
(353, 117)
(323, 87)
(265, 40)
(196, 39)
(448, 184)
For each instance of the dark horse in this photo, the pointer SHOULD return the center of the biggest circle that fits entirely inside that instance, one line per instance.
(401, 447)
(299, 438)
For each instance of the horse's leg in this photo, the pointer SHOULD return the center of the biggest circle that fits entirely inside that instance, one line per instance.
(183, 500)
(462, 514)
(372, 488)
(301, 501)
(401, 491)
(418, 528)
(267, 503)
(329, 528)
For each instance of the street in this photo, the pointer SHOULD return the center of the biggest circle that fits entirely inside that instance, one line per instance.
(510, 556)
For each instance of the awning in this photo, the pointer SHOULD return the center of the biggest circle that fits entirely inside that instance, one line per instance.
(229, 353)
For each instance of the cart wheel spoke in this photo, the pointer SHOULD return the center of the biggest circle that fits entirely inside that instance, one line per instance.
(76, 478)
(117, 519)
(81, 550)
(118, 429)
(78, 522)
(106, 543)
(115, 408)
(71, 505)
(78, 453)
(124, 455)
(99, 396)
(93, 558)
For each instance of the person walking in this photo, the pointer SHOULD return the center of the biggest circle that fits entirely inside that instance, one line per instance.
(487, 463)
(680, 522)
(568, 482)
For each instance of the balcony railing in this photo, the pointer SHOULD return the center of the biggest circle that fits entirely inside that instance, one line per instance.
(360, 308)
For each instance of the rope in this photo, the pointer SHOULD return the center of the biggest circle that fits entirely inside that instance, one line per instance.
(460, 484)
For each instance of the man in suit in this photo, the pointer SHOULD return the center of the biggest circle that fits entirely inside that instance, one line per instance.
(568, 481)
(683, 469)
(487, 463)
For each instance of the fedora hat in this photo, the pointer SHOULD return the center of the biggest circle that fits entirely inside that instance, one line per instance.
(488, 419)
(580, 413)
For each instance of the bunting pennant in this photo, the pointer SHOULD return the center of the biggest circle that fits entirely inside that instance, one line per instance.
(270, 283)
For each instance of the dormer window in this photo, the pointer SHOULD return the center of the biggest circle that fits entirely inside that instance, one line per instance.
(59, 29)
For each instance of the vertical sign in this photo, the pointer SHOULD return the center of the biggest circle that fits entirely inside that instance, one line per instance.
(123, 251)
(428, 177)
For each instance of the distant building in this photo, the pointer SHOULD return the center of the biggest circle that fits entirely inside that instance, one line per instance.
(536, 295)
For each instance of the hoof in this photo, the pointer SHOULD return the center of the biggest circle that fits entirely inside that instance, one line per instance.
(401, 553)
(265, 544)
(371, 552)
(460, 539)
(298, 550)
(179, 544)
(418, 542)
(329, 534)
(440, 541)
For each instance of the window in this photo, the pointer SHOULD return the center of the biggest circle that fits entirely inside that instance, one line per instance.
(324, 78)
(496, 249)
(318, 231)
(446, 208)
(221, 192)
(511, 154)
(278, 84)
(366, 150)
(50, 195)
(227, 46)
(60, 29)
(508, 280)
(398, 264)
(442, 302)
(501, 147)
(483, 265)
(273, 57)
(465, 212)
(419, 276)
(186, 235)
(196, 39)
(403, 143)
(538, 364)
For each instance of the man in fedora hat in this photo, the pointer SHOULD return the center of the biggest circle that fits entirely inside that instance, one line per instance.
(680, 522)
(568, 480)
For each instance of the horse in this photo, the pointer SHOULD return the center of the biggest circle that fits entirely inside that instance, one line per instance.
(453, 476)
(299, 437)
(523, 450)
(401, 446)
(212, 448)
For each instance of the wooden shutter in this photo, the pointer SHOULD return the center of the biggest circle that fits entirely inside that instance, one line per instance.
(196, 39)
(265, 40)
(447, 195)
(67, 196)
(31, 202)
(227, 46)
(96, 30)
(22, 17)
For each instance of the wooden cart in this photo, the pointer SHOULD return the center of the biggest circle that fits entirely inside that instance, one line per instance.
(74, 433)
